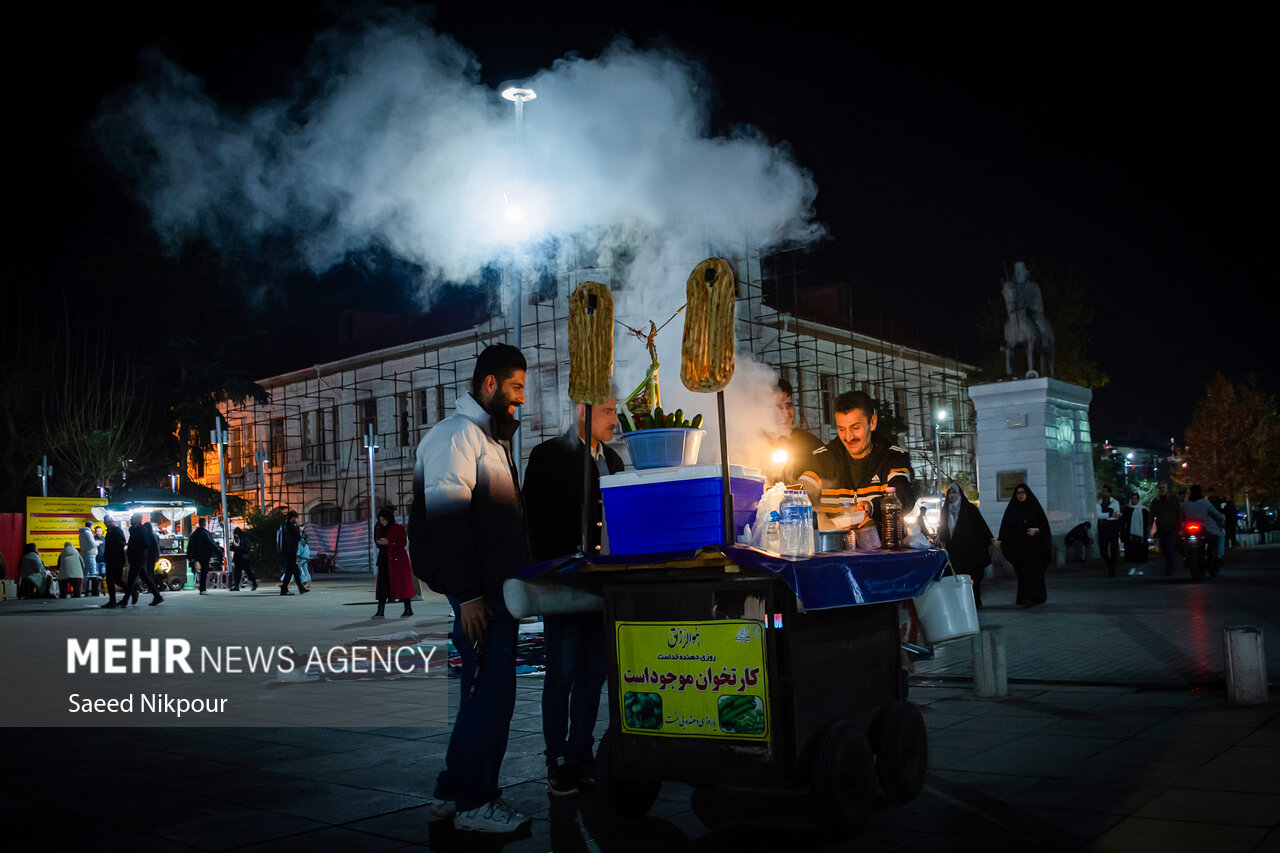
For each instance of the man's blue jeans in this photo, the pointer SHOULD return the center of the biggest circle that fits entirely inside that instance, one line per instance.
(480, 729)
(575, 647)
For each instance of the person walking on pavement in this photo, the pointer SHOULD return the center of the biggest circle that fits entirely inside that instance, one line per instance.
(1109, 511)
(200, 551)
(395, 576)
(1167, 512)
(138, 550)
(1135, 521)
(290, 536)
(1025, 542)
(468, 534)
(89, 558)
(113, 551)
(964, 533)
(574, 643)
(241, 560)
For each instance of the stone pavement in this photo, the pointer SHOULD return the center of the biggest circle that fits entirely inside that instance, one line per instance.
(1074, 758)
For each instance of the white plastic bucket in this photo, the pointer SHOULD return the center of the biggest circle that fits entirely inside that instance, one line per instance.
(947, 610)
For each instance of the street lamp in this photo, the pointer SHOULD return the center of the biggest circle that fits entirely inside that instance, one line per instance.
(260, 462)
(218, 437)
(371, 444)
(518, 94)
(44, 472)
(938, 417)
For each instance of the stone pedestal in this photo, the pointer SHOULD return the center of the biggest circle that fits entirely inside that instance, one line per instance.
(1035, 430)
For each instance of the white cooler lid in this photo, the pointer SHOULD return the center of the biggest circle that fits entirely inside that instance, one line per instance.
(676, 474)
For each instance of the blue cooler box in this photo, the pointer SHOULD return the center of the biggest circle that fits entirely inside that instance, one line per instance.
(668, 509)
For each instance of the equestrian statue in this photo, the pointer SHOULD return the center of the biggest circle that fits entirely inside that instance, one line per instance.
(1026, 323)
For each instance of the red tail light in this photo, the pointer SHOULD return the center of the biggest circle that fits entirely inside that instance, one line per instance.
(1192, 527)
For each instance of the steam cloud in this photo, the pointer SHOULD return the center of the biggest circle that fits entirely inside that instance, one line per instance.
(391, 139)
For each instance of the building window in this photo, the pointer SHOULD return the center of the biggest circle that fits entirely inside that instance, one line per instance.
(440, 415)
(900, 402)
(276, 448)
(366, 417)
(308, 436)
(546, 407)
(404, 418)
(235, 452)
(827, 393)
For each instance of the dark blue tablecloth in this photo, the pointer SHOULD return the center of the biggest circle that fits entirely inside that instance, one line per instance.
(841, 579)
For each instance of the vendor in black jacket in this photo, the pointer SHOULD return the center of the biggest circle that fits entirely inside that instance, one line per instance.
(574, 643)
(855, 468)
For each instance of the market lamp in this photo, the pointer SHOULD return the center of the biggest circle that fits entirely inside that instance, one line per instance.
(938, 417)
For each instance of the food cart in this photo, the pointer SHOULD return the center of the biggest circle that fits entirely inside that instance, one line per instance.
(728, 664)
(733, 665)
(165, 511)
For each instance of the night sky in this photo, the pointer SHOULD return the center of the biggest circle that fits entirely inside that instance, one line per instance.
(1126, 154)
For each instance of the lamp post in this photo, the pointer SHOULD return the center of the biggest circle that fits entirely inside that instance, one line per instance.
(371, 444)
(938, 417)
(218, 436)
(260, 462)
(173, 483)
(44, 472)
(518, 95)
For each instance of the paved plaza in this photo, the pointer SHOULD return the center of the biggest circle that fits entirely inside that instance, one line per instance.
(1116, 736)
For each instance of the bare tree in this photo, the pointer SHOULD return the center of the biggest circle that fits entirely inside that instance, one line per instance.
(24, 364)
(95, 417)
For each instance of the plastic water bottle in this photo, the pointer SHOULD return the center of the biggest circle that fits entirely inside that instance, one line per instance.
(890, 520)
(791, 527)
(772, 534)
(807, 534)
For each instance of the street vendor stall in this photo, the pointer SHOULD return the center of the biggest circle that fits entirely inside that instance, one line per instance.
(166, 511)
(728, 664)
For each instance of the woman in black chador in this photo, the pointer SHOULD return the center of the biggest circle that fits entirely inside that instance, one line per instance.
(1024, 540)
(965, 534)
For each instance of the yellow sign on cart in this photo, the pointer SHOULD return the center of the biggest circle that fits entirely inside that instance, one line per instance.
(693, 679)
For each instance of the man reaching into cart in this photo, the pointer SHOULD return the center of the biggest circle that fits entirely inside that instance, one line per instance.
(467, 535)
(847, 478)
(574, 642)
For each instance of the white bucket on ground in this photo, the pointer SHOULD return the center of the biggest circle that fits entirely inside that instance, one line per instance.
(947, 610)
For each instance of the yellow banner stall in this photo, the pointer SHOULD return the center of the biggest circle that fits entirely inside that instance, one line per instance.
(52, 522)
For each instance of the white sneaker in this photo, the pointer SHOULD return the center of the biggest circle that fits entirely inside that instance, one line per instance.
(204, 592)
(494, 817)
(1132, 572)
(1139, 572)
(444, 808)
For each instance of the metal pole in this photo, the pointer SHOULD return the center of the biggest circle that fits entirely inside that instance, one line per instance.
(730, 535)
(260, 462)
(937, 454)
(371, 444)
(587, 462)
(44, 472)
(220, 438)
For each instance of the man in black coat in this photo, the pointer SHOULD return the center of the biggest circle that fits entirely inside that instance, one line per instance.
(114, 556)
(553, 492)
(290, 536)
(143, 550)
(200, 550)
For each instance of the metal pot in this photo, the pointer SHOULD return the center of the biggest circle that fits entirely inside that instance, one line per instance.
(835, 540)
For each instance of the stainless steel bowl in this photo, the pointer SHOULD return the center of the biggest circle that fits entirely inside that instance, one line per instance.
(835, 540)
